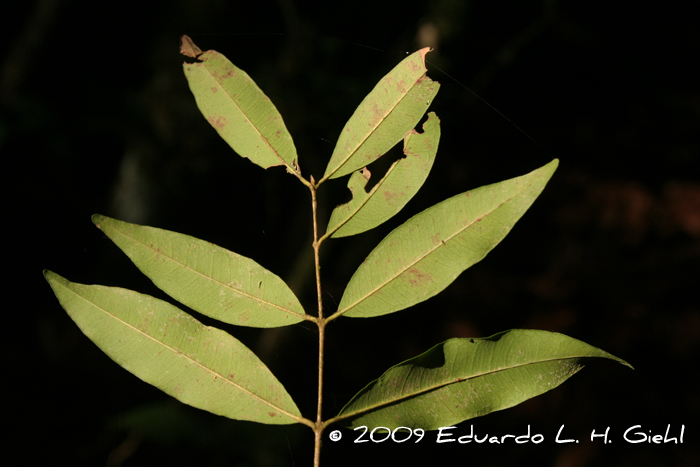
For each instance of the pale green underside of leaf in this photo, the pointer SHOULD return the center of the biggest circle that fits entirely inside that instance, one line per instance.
(459, 379)
(400, 183)
(240, 112)
(207, 278)
(383, 118)
(196, 364)
(424, 255)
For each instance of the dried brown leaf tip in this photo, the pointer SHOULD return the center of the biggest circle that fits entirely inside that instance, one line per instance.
(188, 48)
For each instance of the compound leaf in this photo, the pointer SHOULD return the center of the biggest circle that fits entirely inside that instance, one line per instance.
(402, 181)
(238, 109)
(164, 346)
(424, 255)
(390, 110)
(460, 379)
(207, 278)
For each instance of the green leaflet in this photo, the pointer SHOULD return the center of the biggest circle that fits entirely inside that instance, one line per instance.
(239, 111)
(207, 278)
(461, 379)
(390, 110)
(402, 181)
(424, 255)
(196, 364)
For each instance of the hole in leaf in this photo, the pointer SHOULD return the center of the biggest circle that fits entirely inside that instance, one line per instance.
(379, 167)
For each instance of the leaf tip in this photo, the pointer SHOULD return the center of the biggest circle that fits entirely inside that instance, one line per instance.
(552, 167)
(623, 362)
(53, 279)
(188, 47)
(423, 53)
(96, 219)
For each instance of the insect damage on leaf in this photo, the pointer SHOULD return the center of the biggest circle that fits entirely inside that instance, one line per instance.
(188, 47)
(366, 173)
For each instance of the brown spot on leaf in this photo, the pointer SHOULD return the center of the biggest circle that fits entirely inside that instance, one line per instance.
(389, 196)
(377, 115)
(243, 317)
(418, 278)
(272, 414)
(218, 122)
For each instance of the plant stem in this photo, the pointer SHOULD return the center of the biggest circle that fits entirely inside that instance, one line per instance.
(318, 430)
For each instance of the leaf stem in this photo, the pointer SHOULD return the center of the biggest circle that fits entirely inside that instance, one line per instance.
(335, 315)
(318, 430)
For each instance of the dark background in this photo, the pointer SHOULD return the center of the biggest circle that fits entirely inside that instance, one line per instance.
(96, 117)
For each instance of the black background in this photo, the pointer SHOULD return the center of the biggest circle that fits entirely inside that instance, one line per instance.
(96, 117)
